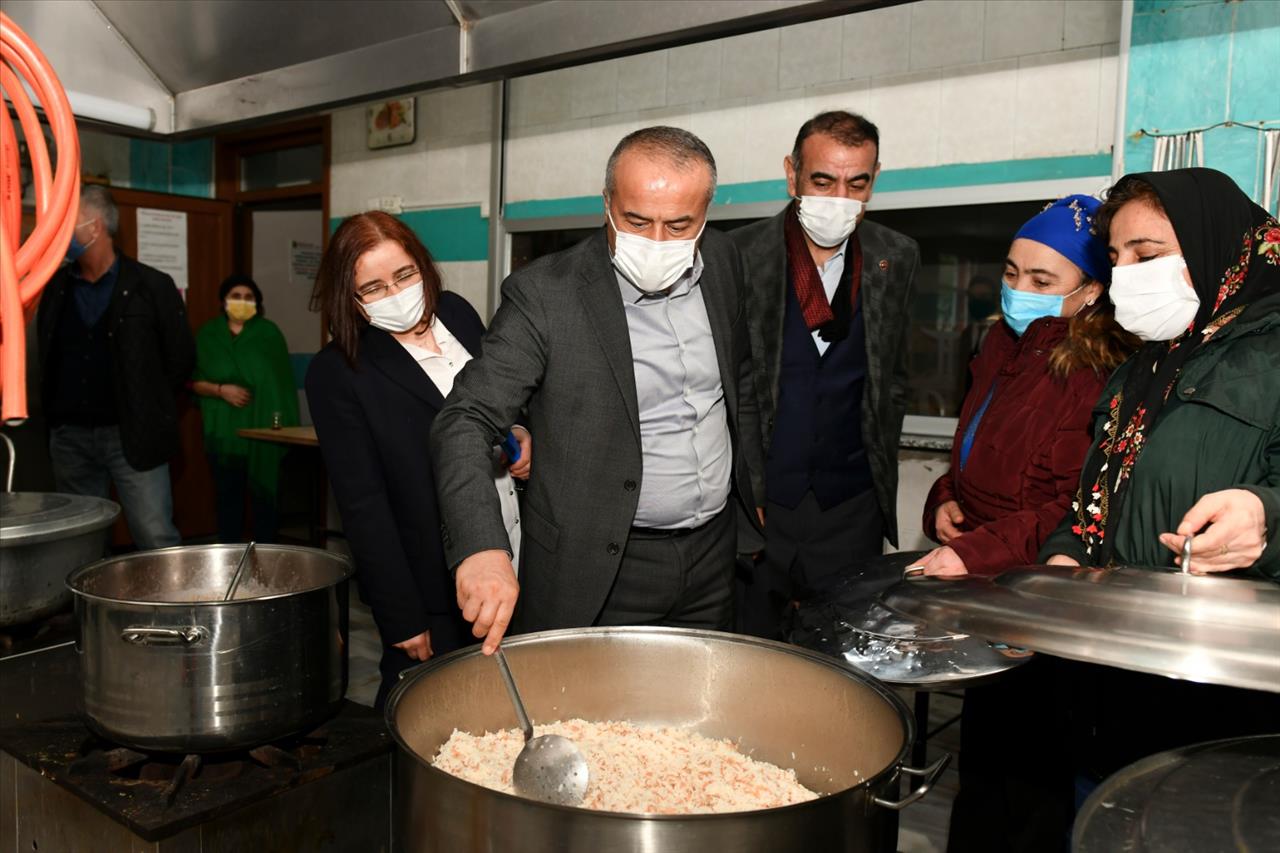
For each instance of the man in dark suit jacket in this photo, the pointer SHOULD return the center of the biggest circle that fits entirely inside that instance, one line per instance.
(115, 349)
(631, 355)
(829, 296)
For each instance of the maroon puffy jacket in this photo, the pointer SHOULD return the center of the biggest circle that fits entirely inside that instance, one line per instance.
(1024, 467)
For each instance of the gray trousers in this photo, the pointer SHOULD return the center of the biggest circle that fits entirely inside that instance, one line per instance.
(684, 581)
(805, 548)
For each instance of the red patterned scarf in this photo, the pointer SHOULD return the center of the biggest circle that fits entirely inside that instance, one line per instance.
(805, 277)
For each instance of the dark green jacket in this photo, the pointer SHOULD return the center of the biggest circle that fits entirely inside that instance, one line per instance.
(1219, 430)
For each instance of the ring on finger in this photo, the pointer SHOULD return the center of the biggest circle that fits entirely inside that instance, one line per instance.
(1223, 551)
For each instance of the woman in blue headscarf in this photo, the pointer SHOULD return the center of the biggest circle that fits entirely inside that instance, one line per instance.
(1024, 428)
(1024, 432)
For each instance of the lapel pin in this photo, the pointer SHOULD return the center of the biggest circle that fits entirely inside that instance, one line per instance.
(884, 265)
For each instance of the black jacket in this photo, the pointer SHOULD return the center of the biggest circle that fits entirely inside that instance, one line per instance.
(152, 355)
(373, 423)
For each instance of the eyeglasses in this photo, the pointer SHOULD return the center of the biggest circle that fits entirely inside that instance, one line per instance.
(375, 290)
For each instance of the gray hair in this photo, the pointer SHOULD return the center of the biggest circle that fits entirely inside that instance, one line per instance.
(98, 198)
(675, 144)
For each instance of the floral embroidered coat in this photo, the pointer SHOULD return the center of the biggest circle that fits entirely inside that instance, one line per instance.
(1220, 429)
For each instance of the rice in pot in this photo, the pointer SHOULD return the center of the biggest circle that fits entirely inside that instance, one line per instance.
(637, 769)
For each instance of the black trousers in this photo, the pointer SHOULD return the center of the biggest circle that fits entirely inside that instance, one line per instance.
(683, 580)
(232, 492)
(449, 632)
(804, 547)
(1016, 764)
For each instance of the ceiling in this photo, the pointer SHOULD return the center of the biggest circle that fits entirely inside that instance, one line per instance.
(205, 64)
(198, 43)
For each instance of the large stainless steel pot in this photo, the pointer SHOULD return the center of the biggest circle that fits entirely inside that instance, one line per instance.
(168, 666)
(42, 537)
(845, 734)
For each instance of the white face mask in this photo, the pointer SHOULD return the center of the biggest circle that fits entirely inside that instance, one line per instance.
(1152, 299)
(829, 219)
(399, 312)
(652, 265)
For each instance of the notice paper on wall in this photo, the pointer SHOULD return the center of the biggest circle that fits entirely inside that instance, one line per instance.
(304, 261)
(162, 243)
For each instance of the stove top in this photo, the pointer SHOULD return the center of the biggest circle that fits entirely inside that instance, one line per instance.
(34, 636)
(156, 796)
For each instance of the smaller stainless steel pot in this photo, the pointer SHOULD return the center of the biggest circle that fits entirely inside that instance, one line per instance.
(168, 666)
(42, 537)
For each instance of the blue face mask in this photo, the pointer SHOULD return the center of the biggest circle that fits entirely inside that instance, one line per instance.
(76, 249)
(1021, 308)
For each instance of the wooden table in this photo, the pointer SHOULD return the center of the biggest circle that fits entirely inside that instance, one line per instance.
(302, 436)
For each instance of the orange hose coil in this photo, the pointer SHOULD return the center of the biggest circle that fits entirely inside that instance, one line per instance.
(25, 267)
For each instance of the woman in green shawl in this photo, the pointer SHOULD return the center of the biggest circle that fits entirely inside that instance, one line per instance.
(244, 380)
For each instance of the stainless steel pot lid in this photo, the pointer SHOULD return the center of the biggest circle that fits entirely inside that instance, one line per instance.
(1215, 796)
(30, 517)
(1212, 629)
(847, 621)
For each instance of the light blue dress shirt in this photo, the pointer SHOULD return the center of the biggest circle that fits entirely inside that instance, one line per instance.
(684, 430)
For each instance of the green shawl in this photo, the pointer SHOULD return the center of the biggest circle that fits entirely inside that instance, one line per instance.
(256, 359)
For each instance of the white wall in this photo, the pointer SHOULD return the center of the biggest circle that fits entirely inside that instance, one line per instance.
(286, 300)
(917, 472)
(447, 166)
(960, 81)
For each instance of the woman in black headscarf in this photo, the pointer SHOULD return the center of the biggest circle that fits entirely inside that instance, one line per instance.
(1187, 440)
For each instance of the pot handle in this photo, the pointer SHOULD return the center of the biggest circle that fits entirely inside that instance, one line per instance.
(150, 636)
(930, 774)
(13, 457)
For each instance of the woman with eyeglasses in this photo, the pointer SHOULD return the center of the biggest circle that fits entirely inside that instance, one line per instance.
(398, 342)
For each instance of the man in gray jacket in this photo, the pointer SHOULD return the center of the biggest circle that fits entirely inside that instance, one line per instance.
(829, 295)
(629, 359)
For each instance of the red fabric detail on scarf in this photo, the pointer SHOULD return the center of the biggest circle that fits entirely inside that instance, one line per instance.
(805, 278)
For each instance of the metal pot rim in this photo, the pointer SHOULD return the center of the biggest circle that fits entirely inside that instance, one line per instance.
(348, 569)
(410, 676)
(95, 514)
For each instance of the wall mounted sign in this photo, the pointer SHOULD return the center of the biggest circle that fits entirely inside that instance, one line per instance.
(304, 261)
(391, 123)
(162, 243)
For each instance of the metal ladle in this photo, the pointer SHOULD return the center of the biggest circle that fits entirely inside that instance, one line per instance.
(549, 768)
(235, 579)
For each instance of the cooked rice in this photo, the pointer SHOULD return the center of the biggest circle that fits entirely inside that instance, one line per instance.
(636, 769)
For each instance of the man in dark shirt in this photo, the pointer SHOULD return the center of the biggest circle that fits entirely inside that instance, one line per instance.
(115, 348)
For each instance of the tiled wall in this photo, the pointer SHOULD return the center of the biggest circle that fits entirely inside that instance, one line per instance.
(442, 177)
(947, 81)
(184, 168)
(1195, 63)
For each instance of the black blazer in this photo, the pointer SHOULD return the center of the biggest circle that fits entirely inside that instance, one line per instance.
(373, 423)
(152, 356)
